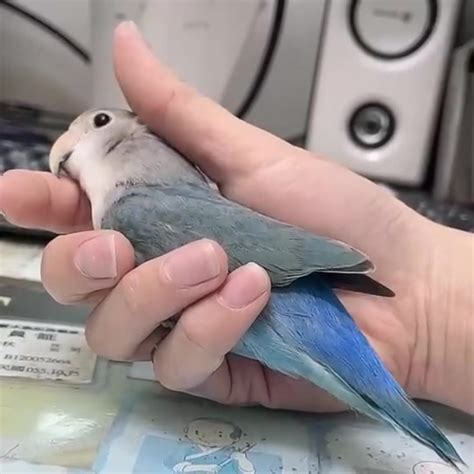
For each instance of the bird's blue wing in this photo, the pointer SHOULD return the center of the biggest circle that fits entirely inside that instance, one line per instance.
(157, 219)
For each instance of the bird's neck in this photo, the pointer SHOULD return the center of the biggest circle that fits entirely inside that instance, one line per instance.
(102, 184)
(103, 190)
(102, 194)
(154, 163)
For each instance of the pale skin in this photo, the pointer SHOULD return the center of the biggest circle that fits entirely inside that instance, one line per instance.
(425, 335)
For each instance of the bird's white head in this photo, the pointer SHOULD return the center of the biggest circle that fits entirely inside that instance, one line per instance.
(90, 138)
(106, 150)
(88, 153)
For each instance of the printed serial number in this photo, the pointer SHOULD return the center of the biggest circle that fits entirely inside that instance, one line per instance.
(28, 358)
(56, 373)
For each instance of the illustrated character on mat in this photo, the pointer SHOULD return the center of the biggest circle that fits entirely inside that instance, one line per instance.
(426, 467)
(216, 447)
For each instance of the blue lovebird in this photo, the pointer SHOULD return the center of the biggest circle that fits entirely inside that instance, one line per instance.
(141, 187)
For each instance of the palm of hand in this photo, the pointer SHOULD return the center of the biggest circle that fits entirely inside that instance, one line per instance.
(388, 323)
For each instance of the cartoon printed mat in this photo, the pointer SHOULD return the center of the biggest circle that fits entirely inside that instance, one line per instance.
(165, 435)
(150, 432)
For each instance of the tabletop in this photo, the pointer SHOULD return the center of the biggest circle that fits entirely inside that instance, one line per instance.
(100, 418)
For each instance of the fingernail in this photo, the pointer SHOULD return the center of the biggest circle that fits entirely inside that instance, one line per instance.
(244, 286)
(130, 24)
(132, 27)
(96, 258)
(193, 264)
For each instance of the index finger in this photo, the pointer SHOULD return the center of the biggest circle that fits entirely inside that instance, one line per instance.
(40, 200)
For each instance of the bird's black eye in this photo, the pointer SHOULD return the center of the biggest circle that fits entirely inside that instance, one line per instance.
(101, 119)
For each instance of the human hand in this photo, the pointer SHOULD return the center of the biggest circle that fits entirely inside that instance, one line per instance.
(267, 174)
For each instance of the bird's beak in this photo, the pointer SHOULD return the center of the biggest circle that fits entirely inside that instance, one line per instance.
(61, 150)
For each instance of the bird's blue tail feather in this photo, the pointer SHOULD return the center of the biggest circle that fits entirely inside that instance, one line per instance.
(306, 332)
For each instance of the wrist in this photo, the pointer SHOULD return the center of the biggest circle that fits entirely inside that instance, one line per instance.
(446, 336)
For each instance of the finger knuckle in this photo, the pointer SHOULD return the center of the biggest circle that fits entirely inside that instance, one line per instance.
(105, 348)
(133, 294)
(52, 274)
(176, 96)
(91, 339)
(167, 379)
(48, 268)
(220, 253)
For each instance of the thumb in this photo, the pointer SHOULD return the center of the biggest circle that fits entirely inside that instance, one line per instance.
(202, 130)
